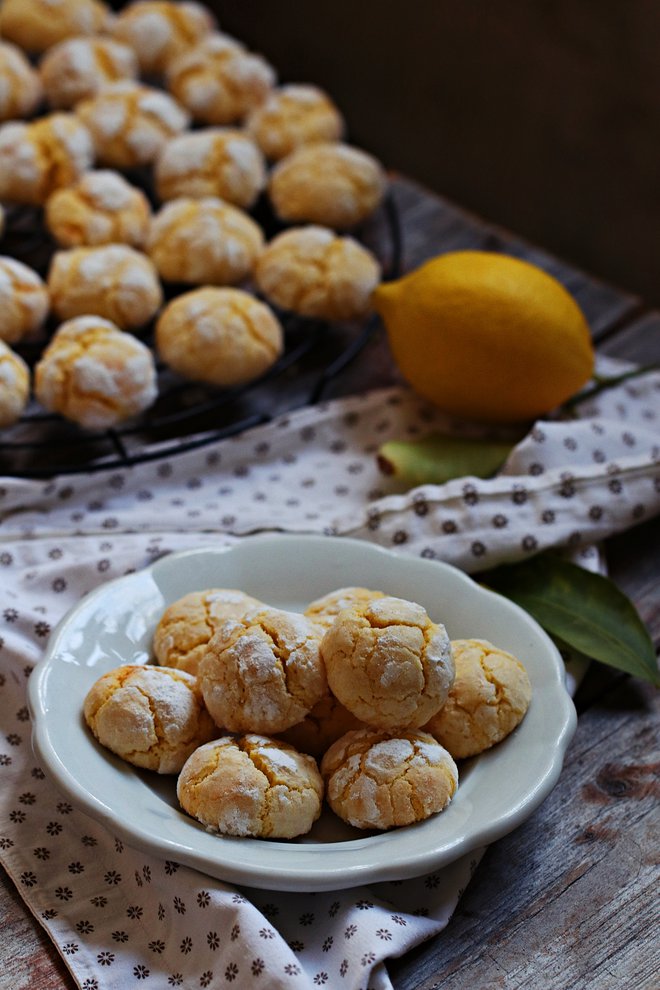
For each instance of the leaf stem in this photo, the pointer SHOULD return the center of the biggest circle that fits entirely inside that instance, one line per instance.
(601, 383)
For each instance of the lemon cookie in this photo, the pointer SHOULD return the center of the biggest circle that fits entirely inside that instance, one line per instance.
(294, 115)
(14, 385)
(335, 185)
(94, 374)
(388, 663)
(262, 672)
(218, 81)
(314, 272)
(327, 722)
(153, 717)
(78, 68)
(101, 208)
(324, 610)
(222, 336)
(38, 157)
(114, 281)
(489, 698)
(36, 25)
(203, 241)
(212, 162)
(251, 786)
(20, 86)
(24, 301)
(130, 122)
(159, 31)
(186, 626)
(378, 781)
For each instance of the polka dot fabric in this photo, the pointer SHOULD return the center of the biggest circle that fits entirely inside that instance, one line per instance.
(122, 918)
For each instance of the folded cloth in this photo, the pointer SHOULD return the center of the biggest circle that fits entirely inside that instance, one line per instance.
(120, 917)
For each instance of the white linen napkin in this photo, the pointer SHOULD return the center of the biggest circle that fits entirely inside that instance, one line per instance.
(122, 918)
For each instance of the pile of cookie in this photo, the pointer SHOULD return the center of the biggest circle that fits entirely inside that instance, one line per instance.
(90, 101)
(362, 700)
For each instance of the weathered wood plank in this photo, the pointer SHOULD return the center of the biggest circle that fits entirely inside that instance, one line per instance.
(28, 958)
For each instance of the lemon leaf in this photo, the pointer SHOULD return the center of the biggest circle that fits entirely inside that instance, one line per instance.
(438, 458)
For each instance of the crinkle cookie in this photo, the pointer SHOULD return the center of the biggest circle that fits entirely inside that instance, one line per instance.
(294, 115)
(218, 81)
(159, 31)
(36, 25)
(24, 301)
(153, 717)
(334, 185)
(314, 272)
(212, 162)
(324, 610)
(221, 336)
(14, 385)
(186, 626)
(251, 786)
(130, 122)
(376, 780)
(327, 722)
(388, 663)
(489, 698)
(78, 68)
(38, 157)
(113, 281)
(20, 86)
(203, 242)
(101, 208)
(94, 374)
(262, 672)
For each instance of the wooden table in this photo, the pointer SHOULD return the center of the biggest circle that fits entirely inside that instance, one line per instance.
(567, 900)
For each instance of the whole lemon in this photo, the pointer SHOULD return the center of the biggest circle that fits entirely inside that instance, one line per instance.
(486, 336)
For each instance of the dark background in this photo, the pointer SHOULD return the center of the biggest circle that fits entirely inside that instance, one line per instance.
(540, 115)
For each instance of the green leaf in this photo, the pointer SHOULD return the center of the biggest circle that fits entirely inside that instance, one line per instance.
(587, 611)
(437, 458)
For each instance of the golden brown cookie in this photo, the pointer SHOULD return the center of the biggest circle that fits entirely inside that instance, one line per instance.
(20, 86)
(152, 717)
(14, 385)
(376, 780)
(222, 336)
(95, 374)
(292, 116)
(388, 663)
(76, 69)
(24, 301)
(186, 626)
(212, 162)
(113, 281)
(489, 698)
(36, 25)
(218, 81)
(101, 208)
(159, 31)
(252, 786)
(38, 157)
(334, 185)
(313, 272)
(327, 722)
(203, 242)
(324, 610)
(262, 672)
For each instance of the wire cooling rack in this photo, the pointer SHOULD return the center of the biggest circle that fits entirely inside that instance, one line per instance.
(187, 415)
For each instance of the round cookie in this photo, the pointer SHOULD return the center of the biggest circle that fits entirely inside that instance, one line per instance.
(262, 672)
(24, 301)
(152, 717)
(130, 122)
(14, 385)
(212, 162)
(78, 68)
(38, 157)
(313, 272)
(113, 281)
(388, 663)
(36, 25)
(251, 786)
(292, 116)
(203, 242)
(186, 626)
(218, 81)
(334, 185)
(327, 722)
(101, 208)
(159, 31)
(94, 374)
(324, 610)
(221, 336)
(20, 86)
(489, 698)
(378, 781)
